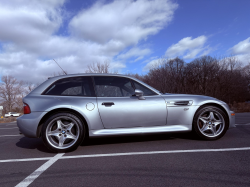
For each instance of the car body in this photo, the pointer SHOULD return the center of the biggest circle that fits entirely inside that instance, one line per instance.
(12, 114)
(113, 104)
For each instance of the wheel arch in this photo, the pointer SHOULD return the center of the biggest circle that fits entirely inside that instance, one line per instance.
(216, 105)
(58, 110)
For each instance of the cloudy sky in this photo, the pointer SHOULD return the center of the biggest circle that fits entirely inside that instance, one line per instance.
(130, 34)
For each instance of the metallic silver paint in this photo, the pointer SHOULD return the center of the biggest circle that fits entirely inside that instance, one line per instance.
(138, 130)
(28, 123)
(154, 114)
(132, 112)
(139, 94)
(90, 106)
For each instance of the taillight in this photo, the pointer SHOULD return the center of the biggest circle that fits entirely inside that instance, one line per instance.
(26, 108)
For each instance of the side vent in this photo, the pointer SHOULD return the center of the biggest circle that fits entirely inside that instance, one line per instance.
(179, 103)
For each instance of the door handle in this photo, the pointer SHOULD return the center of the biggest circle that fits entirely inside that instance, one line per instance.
(108, 103)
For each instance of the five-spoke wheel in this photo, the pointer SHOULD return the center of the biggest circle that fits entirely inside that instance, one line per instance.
(63, 132)
(210, 122)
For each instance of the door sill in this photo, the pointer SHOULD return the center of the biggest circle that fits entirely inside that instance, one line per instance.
(139, 130)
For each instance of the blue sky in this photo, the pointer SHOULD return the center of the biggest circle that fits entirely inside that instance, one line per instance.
(131, 35)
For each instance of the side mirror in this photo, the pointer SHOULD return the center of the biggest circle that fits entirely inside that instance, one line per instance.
(139, 94)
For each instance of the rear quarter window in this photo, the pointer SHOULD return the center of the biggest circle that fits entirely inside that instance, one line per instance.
(73, 86)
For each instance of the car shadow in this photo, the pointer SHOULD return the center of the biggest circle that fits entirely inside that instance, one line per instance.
(138, 138)
(36, 143)
(32, 143)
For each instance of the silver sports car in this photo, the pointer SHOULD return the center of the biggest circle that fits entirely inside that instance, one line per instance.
(65, 110)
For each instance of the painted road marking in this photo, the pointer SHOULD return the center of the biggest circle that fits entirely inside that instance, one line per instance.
(9, 128)
(10, 135)
(26, 159)
(243, 124)
(132, 153)
(28, 180)
(158, 152)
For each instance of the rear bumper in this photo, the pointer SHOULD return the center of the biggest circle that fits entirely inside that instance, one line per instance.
(232, 120)
(28, 123)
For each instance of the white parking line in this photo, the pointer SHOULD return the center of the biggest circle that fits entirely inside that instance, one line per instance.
(243, 124)
(10, 135)
(158, 152)
(26, 159)
(28, 180)
(132, 153)
(9, 128)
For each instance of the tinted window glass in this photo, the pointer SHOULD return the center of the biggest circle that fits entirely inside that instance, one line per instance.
(146, 91)
(74, 86)
(113, 87)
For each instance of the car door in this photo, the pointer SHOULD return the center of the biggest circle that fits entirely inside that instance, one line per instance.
(118, 107)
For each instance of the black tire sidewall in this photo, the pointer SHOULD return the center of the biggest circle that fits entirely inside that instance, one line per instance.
(196, 118)
(77, 143)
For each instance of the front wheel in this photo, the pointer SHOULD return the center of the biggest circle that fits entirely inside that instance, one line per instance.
(63, 132)
(210, 123)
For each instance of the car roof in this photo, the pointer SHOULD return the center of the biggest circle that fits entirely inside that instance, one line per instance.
(51, 80)
(90, 74)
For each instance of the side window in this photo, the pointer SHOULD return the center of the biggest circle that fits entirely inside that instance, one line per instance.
(146, 91)
(74, 86)
(113, 86)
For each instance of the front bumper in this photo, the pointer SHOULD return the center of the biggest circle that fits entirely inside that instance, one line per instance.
(28, 123)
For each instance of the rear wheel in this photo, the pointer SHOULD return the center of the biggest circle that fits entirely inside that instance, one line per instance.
(63, 132)
(210, 123)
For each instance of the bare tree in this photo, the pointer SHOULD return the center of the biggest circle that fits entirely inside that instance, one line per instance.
(10, 90)
(27, 87)
(225, 79)
(98, 67)
(168, 76)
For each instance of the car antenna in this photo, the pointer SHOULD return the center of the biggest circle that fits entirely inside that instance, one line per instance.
(60, 67)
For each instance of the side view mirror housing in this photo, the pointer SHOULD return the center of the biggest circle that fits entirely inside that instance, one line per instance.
(139, 94)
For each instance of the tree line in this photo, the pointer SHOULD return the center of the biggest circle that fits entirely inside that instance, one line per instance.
(226, 79)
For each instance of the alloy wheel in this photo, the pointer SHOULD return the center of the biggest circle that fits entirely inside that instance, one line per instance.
(211, 123)
(62, 132)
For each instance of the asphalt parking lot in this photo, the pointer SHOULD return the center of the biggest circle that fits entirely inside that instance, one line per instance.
(152, 160)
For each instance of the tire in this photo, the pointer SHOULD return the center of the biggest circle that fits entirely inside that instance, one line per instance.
(210, 123)
(63, 132)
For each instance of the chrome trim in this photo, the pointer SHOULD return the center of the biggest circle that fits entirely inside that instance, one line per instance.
(179, 103)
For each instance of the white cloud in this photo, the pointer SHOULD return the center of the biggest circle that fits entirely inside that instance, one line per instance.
(153, 63)
(242, 51)
(135, 52)
(188, 48)
(124, 21)
(29, 36)
(29, 21)
(242, 47)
